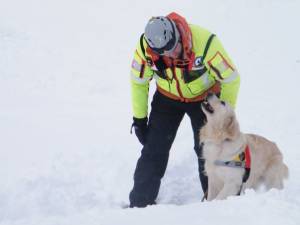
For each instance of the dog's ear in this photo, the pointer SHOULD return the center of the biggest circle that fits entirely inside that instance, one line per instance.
(230, 121)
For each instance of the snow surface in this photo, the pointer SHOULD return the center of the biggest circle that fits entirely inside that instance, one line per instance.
(66, 155)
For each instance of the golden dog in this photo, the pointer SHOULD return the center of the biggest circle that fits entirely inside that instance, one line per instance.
(234, 160)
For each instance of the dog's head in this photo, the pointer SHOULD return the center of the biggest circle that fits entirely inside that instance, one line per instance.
(221, 120)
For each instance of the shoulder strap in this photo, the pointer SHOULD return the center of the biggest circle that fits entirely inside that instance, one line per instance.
(142, 45)
(211, 37)
(161, 66)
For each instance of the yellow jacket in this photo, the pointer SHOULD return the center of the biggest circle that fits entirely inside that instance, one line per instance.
(215, 67)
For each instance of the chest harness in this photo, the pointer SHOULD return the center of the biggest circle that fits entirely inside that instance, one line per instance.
(240, 161)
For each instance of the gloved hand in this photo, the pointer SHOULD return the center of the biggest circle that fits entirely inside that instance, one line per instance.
(140, 129)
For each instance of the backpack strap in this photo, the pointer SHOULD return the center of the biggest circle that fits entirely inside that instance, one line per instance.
(142, 45)
(187, 74)
(211, 37)
(160, 65)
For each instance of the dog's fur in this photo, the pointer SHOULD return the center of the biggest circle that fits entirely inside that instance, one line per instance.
(222, 140)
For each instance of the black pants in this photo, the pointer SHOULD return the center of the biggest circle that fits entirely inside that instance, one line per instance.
(165, 117)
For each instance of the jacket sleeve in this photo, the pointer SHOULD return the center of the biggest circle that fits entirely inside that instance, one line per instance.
(141, 74)
(224, 71)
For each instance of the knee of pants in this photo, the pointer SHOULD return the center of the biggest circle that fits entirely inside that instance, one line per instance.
(159, 142)
(151, 166)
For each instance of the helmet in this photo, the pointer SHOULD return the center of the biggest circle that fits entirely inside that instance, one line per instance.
(161, 34)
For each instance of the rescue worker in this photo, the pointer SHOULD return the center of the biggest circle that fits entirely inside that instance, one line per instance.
(187, 63)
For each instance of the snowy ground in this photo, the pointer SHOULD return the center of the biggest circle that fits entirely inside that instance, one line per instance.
(66, 155)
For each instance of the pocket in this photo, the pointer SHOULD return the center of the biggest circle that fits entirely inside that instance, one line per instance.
(199, 85)
(195, 87)
(190, 76)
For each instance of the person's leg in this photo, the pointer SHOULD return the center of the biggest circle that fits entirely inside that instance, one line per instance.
(198, 119)
(164, 121)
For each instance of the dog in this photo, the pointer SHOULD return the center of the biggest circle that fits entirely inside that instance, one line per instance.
(235, 161)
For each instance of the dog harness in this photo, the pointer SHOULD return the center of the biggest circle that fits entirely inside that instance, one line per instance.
(242, 160)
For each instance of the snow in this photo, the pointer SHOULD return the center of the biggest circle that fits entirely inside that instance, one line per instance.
(66, 154)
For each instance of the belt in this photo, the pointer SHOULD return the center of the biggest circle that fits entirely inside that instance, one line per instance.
(216, 89)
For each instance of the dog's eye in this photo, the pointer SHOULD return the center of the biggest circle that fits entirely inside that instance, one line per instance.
(223, 103)
(227, 139)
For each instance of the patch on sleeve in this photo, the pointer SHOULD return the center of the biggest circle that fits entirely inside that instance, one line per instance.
(135, 65)
(138, 68)
(220, 66)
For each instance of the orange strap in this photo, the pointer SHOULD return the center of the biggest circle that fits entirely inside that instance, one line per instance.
(216, 88)
(247, 157)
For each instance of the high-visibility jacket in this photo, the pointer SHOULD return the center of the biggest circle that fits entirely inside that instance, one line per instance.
(215, 67)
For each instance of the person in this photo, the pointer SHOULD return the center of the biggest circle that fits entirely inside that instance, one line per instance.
(187, 62)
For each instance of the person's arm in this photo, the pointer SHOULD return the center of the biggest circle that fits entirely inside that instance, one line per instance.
(224, 71)
(141, 75)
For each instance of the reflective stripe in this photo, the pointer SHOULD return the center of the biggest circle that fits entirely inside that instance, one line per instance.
(139, 80)
(231, 77)
(222, 67)
(205, 79)
(135, 65)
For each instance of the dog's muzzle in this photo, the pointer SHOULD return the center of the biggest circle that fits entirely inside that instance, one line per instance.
(207, 106)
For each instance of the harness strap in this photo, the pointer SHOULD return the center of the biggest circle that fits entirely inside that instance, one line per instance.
(233, 164)
(247, 164)
(142, 45)
(211, 37)
(247, 168)
(244, 162)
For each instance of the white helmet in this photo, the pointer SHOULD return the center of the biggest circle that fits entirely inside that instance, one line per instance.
(161, 34)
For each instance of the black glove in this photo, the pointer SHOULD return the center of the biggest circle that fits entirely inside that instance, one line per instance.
(140, 129)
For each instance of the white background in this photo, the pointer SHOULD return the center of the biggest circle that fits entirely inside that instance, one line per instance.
(66, 154)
